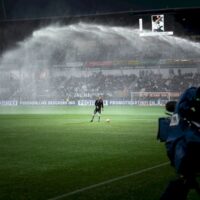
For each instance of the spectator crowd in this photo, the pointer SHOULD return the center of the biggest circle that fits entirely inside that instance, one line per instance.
(111, 86)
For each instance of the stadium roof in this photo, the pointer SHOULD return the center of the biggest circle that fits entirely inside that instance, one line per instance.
(29, 9)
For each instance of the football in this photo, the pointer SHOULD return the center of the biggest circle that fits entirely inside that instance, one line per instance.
(107, 120)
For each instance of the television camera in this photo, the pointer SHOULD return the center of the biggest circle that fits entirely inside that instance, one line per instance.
(180, 131)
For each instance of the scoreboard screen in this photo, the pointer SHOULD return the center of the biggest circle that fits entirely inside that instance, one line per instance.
(157, 23)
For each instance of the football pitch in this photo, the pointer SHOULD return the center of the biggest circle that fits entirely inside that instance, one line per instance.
(55, 152)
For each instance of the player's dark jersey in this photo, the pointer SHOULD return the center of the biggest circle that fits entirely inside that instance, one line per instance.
(98, 105)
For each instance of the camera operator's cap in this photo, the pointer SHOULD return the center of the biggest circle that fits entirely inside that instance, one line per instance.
(197, 97)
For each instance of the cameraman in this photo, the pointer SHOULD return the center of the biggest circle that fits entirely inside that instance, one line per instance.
(188, 106)
(183, 144)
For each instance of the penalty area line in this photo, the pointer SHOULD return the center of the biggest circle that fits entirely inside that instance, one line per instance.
(108, 181)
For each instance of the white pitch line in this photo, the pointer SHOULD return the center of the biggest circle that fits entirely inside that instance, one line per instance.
(107, 182)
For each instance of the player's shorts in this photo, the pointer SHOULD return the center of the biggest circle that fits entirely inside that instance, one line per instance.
(97, 111)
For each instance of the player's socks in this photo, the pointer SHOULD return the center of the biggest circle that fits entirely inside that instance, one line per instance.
(92, 118)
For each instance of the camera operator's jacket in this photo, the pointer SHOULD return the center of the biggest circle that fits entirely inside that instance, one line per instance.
(188, 106)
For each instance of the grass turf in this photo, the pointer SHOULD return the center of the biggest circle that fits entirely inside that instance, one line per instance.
(50, 151)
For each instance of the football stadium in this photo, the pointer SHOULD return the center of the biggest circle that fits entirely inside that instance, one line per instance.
(55, 62)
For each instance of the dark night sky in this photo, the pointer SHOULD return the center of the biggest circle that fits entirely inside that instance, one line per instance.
(20, 9)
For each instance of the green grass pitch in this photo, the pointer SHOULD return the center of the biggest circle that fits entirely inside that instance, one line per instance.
(47, 152)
